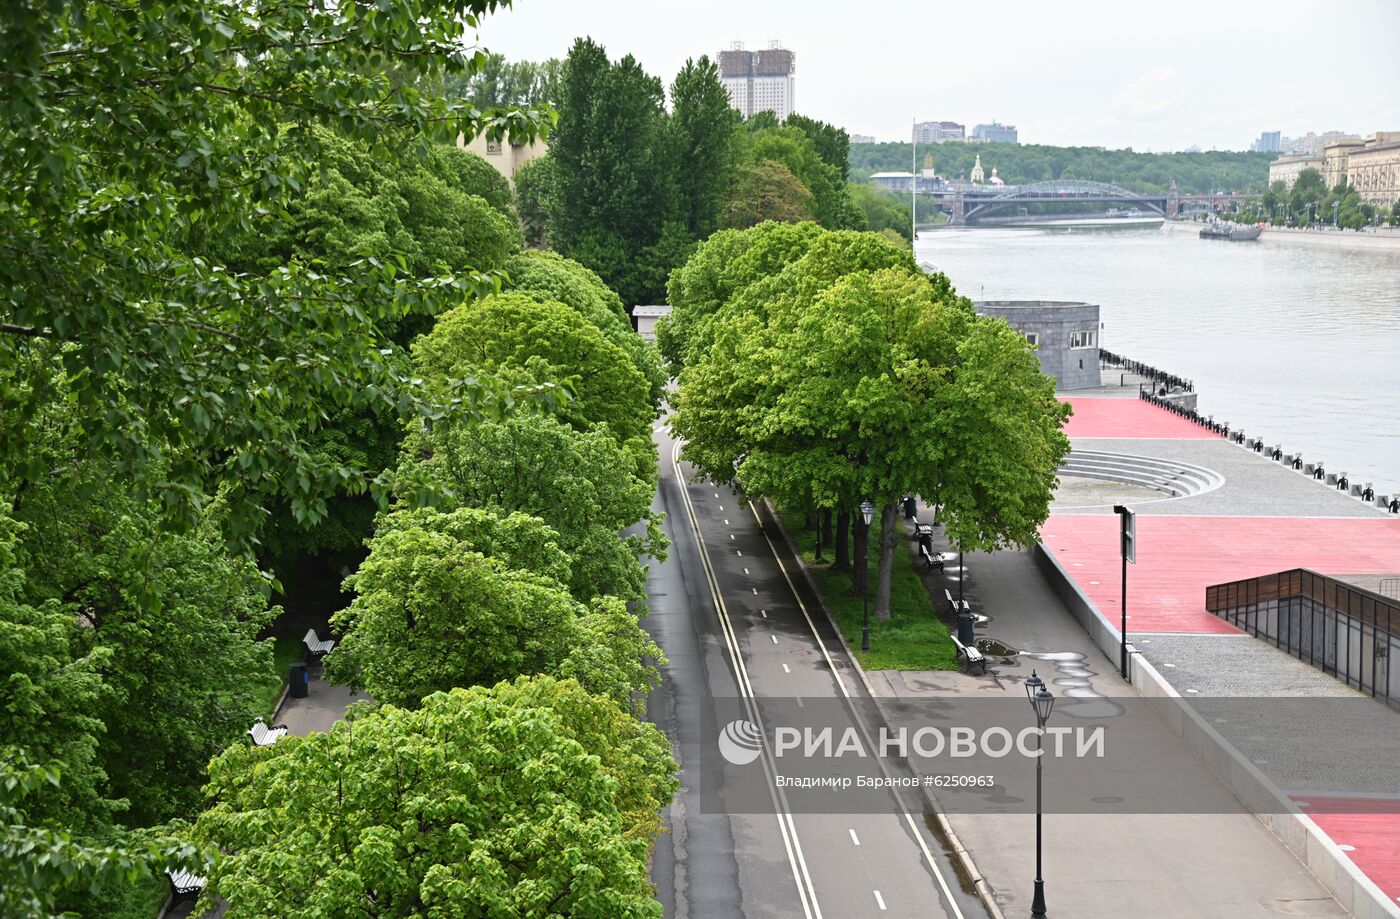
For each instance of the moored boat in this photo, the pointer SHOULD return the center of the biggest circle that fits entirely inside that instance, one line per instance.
(1229, 231)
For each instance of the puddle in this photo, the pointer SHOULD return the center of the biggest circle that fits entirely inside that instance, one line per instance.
(1070, 681)
(992, 646)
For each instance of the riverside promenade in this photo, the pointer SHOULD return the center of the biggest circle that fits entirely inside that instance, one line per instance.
(1337, 812)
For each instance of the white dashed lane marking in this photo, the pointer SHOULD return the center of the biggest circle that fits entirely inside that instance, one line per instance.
(855, 840)
(879, 900)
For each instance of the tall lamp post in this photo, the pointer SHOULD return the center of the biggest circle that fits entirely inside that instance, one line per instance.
(1042, 701)
(867, 511)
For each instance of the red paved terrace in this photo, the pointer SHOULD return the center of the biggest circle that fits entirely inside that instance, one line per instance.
(1128, 418)
(1179, 557)
(1371, 832)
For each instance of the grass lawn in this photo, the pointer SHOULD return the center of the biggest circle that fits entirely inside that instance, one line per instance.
(912, 639)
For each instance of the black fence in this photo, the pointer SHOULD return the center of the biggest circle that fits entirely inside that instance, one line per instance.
(1190, 414)
(1160, 378)
(1349, 633)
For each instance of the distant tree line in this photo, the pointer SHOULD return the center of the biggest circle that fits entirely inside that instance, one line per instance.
(1310, 202)
(1018, 164)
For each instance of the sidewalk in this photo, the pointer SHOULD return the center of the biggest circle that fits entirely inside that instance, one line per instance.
(1107, 866)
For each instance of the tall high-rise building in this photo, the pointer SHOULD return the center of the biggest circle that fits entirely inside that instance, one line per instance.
(1268, 142)
(759, 81)
(996, 133)
(936, 132)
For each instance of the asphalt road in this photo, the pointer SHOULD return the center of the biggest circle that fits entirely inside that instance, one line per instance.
(724, 610)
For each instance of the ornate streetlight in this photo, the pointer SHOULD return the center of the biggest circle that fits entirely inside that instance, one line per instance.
(867, 511)
(1042, 701)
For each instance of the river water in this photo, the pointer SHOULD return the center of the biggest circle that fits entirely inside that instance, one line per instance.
(1297, 344)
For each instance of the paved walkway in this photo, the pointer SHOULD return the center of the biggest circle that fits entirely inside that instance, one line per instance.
(1105, 865)
(323, 706)
(1264, 518)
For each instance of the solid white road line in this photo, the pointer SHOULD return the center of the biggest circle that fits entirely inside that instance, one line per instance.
(855, 840)
(806, 891)
(841, 684)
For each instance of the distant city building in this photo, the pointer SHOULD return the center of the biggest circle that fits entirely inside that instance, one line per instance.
(1315, 143)
(995, 133)
(645, 317)
(937, 132)
(759, 81)
(1268, 142)
(893, 181)
(977, 174)
(862, 138)
(1371, 166)
(1285, 169)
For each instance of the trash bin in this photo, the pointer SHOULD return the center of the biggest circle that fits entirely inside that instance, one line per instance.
(297, 686)
(967, 633)
(910, 508)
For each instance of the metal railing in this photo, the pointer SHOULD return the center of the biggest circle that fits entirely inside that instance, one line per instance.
(1159, 377)
(1349, 633)
(1389, 587)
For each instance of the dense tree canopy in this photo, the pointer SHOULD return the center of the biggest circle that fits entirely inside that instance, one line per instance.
(1195, 173)
(127, 125)
(575, 481)
(768, 191)
(843, 373)
(529, 798)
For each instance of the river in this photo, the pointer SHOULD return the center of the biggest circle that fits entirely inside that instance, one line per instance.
(1296, 344)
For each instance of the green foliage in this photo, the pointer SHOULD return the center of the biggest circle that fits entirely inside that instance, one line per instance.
(883, 210)
(1195, 173)
(535, 184)
(529, 341)
(501, 83)
(528, 798)
(792, 147)
(768, 191)
(613, 190)
(721, 266)
(126, 127)
(703, 125)
(548, 276)
(832, 144)
(575, 481)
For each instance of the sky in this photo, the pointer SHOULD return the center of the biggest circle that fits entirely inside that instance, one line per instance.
(1164, 75)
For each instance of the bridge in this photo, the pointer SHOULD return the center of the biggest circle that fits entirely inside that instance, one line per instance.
(971, 203)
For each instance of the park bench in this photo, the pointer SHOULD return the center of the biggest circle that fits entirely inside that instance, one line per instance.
(315, 647)
(184, 885)
(969, 653)
(932, 560)
(953, 608)
(265, 735)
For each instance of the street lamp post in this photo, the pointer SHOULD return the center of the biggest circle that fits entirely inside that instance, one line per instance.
(1335, 205)
(1042, 701)
(867, 511)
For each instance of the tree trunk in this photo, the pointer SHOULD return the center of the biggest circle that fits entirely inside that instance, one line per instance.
(889, 544)
(842, 544)
(826, 527)
(861, 560)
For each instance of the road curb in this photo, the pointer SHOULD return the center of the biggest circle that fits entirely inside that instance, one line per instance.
(967, 867)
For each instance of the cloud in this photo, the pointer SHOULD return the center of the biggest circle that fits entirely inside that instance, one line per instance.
(1153, 93)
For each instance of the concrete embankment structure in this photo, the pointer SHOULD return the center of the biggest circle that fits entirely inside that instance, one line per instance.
(1318, 793)
(1380, 240)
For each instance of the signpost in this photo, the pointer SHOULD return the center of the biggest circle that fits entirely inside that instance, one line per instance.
(1128, 546)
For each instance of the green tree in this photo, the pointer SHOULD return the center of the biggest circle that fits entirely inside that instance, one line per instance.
(614, 193)
(534, 190)
(532, 341)
(548, 276)
(528, 798)
(704, 125)
(768, 191)
(537, 465)
(795, 150)
(127, 125)
(883, 211)
(832, 144)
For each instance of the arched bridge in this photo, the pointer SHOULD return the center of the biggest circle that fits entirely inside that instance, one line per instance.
(971, 202)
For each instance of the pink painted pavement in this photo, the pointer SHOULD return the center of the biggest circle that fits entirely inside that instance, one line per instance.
(1109, 417)
(1179, 557)
(1371, 827)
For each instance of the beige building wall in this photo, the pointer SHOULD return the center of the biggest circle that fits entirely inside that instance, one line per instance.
(505, 156)
(1285, 169)
(1374, 171)
(1334, 169)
